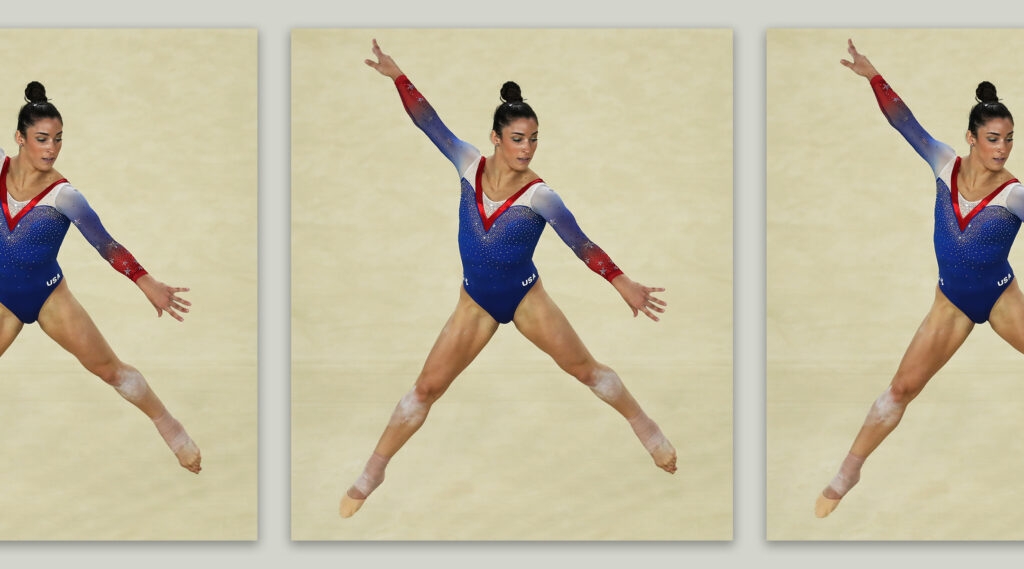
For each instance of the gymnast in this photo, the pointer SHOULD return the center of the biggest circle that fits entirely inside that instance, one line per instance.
(504, 208)
(978, 210)
(39, 205)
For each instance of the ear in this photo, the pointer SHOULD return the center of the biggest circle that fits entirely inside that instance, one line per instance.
(495, 138)
(18, 139)
(969, 137)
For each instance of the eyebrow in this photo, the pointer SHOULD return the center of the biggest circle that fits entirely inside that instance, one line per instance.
(524, 134)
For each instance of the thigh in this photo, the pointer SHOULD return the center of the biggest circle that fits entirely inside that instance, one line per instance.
(10, 326)
(66, 321)
(466, 332)
(1007, 317)
(938, 337)
(540, 320)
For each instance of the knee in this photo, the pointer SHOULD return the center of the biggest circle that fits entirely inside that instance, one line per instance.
(110, 371)
(903, 390)
(412, 409)
(426, 391)
(588, 373)
(604, 382)
(130, 384)
(887, 409)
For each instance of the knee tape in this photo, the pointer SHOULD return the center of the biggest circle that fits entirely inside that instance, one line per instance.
(886, 410)
(410, 410)
(131, 385)
(607, 385)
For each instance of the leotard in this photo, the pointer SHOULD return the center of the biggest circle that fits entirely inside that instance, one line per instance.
(972, 239)
(31, 236)
(497, 240)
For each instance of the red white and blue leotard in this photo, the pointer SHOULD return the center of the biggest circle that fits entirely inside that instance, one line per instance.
(972, 239)
(497, 240)
(31, 235)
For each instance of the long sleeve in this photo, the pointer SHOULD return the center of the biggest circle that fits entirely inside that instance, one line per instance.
(74, 206)
(936, 153)
(548, 205)
(460, 153)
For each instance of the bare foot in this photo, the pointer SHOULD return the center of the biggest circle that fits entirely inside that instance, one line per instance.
(664, 456)
(189, 457)
(827, 501)
(179, 442)
(351, 502)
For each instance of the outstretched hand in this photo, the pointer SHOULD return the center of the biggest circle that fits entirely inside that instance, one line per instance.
(384, 64)
(164, 298)
(860, 64)
(639, 297)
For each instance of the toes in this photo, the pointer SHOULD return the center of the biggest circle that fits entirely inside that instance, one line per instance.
(824, 506)
(349, 505)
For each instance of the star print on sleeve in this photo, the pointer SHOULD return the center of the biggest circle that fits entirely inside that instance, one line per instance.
(74, 206)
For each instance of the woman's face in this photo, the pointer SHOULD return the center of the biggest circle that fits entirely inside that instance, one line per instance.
(517, 143)
(993, 143)
(41, 143)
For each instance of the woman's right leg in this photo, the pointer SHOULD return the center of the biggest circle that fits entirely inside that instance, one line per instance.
(943, 331)
(466, 333)
(10, 326)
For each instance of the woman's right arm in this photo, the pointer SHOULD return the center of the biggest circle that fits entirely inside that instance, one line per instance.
(936, 153)
(460, 153)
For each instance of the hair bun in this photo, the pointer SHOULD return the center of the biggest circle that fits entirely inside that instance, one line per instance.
(511, 93)
(986, 93)
(35, 92)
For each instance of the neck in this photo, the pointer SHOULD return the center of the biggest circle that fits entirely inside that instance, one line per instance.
(974, 173)
(500, 173)
(25, 176)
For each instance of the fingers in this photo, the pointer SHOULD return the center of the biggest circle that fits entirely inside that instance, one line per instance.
(647, 312)
(649, 306)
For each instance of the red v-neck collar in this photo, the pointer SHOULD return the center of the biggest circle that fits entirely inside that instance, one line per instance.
(12, 222)
(489, 221)
(954, 195)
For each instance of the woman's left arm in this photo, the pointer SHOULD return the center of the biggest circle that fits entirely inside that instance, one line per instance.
(1015, 200)
(164, 298)
(640, 298)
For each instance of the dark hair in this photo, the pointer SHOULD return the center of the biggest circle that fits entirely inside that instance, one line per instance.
(37, 107)
(512, 107)
(988, 107)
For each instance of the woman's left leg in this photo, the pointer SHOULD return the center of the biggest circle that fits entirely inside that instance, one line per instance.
(64, 320)
(1007, 316)
(544, 324)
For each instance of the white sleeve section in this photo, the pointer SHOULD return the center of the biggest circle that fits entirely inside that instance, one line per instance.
(946, 172)
(1013, 198)
(470, 173)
